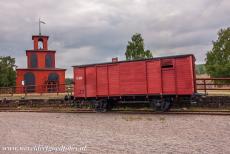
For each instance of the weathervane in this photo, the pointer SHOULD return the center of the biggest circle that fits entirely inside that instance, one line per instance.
(40, 26)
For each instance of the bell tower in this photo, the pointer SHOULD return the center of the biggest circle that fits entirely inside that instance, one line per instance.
(40, 42)
(40, 56)
(41, 74)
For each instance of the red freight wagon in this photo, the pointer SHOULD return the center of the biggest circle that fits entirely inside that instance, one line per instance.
(158, 81)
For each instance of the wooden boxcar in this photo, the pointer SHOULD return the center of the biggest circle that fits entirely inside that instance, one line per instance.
(158, 81)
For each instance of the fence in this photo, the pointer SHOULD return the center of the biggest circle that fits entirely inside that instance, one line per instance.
(37, 89)
(205, 85)
(210, 85)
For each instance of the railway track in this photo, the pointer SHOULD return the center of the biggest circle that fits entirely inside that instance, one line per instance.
(205, 112)
(176, 112)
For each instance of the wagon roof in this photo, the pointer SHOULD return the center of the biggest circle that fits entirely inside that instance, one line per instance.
(42, 69)
(154, 58)
(32, 50)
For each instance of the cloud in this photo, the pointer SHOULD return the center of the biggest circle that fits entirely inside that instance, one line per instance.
(89, 31)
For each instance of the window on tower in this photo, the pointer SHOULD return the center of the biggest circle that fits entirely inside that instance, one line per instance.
(40, 44)
(49, 61)
(34, 60)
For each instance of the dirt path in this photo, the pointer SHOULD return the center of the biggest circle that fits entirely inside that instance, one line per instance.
(113, 133)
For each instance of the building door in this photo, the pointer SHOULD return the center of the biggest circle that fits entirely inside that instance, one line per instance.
(52, 82)
(29, 80)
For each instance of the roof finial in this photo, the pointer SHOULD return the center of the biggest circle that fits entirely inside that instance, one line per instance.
(40, 33)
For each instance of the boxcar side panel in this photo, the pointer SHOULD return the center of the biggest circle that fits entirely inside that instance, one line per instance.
(91, 81)
(79, 79)
(133, 78)
(184, 75)
(193, 72)
(102, 81)
(113, 74)
(154, 76)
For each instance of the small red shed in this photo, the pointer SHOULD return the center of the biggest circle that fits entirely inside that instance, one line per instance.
(41, 75)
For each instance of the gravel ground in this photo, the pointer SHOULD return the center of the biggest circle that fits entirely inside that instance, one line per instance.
(113, 133)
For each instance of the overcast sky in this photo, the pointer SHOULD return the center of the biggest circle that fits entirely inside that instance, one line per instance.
(89, 31)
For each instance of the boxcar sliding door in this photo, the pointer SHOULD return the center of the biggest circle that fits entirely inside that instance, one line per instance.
(168, 76)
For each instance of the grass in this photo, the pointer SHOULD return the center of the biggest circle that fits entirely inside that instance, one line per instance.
(43, 109)
(149, 119)
(216, 92)
(136, 118)
(162, 119)
(33, 96)
(208, 109)
(131, 118)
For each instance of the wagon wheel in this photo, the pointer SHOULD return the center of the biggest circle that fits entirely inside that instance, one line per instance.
(156, 105)
(97, 106)
(104, 105)
(101, 106)
(165, 105)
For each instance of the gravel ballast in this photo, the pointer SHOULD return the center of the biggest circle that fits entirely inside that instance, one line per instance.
(113, 133)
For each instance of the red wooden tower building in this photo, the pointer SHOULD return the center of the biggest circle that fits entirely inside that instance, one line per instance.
(41, 75)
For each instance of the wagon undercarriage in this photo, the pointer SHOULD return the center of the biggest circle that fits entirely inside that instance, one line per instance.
(156, 103)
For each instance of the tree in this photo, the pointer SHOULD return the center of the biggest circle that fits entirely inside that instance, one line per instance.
(135, 49)
(7, 71)
(69, 81)
(218, 59)
(200, 69)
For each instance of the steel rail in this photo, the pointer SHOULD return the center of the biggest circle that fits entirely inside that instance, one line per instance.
(226, 113)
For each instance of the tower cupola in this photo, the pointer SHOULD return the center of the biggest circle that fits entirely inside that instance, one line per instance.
(40, 42)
